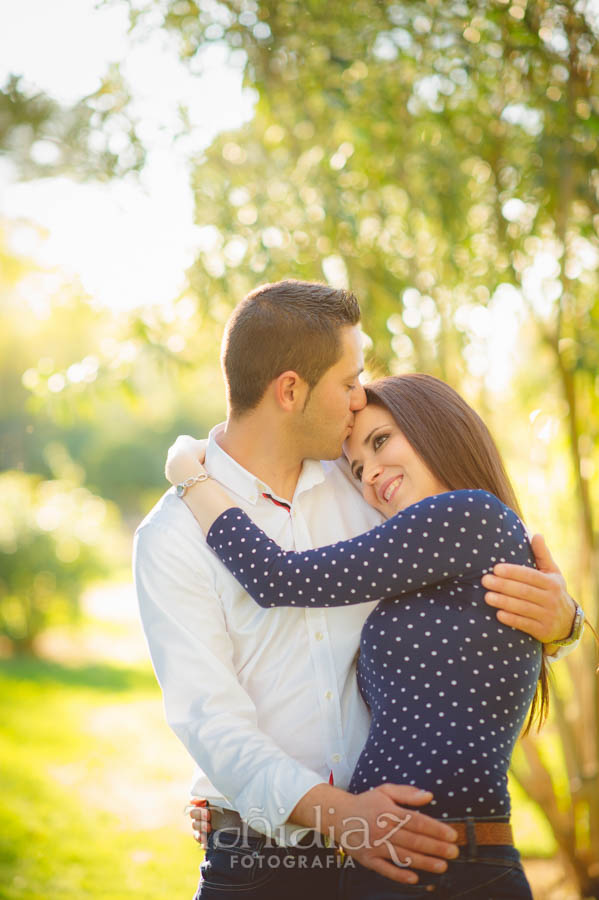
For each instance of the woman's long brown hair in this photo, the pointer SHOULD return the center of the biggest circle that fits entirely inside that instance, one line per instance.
(454, 442)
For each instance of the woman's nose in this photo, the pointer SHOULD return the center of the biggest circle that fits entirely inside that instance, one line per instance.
(371, 473)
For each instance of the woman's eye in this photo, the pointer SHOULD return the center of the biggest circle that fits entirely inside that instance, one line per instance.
(358, 473)
(379, 440)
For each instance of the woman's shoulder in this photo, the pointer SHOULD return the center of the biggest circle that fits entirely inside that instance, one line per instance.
(466, 502)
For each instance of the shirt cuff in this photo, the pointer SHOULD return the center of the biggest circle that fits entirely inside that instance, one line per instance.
(563, 651)
(279, 794)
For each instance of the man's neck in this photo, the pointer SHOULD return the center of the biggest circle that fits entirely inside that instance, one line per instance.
(255, 445)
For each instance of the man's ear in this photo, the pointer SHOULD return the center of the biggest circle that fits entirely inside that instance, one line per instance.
(290, 391)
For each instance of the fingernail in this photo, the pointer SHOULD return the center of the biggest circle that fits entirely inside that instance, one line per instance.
(440, 866)
(412, 879)
(452, 852)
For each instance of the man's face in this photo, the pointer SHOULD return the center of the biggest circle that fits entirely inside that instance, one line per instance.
(328, 416)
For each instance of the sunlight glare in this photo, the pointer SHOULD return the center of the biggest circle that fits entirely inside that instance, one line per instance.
(129, 241)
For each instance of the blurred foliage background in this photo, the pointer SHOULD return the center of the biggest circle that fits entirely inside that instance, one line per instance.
(441, 158)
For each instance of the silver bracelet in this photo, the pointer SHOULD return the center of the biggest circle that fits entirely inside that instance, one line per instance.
(189, 482)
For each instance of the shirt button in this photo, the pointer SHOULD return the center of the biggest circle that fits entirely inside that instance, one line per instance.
(328, 695)
(336, 757)
(319, 635)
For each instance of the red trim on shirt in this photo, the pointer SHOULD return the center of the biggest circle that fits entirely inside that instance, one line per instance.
(280, 503)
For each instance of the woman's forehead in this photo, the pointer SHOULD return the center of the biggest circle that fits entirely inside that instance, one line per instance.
(371, 415)
(366, 420)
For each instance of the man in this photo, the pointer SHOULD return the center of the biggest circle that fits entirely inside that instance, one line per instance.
(266, 701)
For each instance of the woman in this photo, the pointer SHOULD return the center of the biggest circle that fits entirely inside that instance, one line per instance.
(447, 685)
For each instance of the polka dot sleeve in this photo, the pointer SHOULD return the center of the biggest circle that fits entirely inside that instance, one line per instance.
(451, 535)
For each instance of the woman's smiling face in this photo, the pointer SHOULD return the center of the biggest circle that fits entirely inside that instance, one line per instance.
(391, 473)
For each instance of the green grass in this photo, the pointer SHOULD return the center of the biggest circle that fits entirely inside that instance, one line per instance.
(93, 784)
(64, 775)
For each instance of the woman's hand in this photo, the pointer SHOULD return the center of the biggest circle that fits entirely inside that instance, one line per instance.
(185, 458)
(200, 820)
(206, 499)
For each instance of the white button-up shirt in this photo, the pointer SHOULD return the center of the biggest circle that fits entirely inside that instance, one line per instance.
(266, 701)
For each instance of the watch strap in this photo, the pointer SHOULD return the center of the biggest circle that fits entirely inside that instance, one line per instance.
(576, 631)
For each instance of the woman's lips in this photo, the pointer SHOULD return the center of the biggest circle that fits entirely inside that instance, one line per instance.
(390, 487)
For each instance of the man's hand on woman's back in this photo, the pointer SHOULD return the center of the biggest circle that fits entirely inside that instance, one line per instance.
(535, 601)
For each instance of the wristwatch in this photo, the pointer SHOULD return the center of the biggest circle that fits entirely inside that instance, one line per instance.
(576, 629)
(185, 485)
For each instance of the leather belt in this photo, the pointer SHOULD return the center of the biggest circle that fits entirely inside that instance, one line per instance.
(229, 819)
(485, 833)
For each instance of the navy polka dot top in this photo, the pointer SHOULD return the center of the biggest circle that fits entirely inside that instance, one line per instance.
(448, 686)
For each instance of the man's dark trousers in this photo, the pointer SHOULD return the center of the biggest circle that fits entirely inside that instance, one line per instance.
(254, 868)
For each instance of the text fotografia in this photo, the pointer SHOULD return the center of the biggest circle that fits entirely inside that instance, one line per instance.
(290, 861)
(357, 834)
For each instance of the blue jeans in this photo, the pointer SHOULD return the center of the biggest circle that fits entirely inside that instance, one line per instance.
(248, 868)
(489, 873)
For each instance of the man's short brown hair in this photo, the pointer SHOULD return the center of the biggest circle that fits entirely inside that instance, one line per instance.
(288, 325)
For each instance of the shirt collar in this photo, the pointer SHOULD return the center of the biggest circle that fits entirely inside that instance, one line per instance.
(233, 476)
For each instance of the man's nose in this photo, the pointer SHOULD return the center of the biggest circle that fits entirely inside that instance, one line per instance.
(358, 397)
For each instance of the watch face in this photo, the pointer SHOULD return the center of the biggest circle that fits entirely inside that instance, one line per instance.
(576, 629)
(180, 490)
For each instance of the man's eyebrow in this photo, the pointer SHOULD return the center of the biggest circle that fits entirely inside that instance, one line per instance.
(356, 373)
